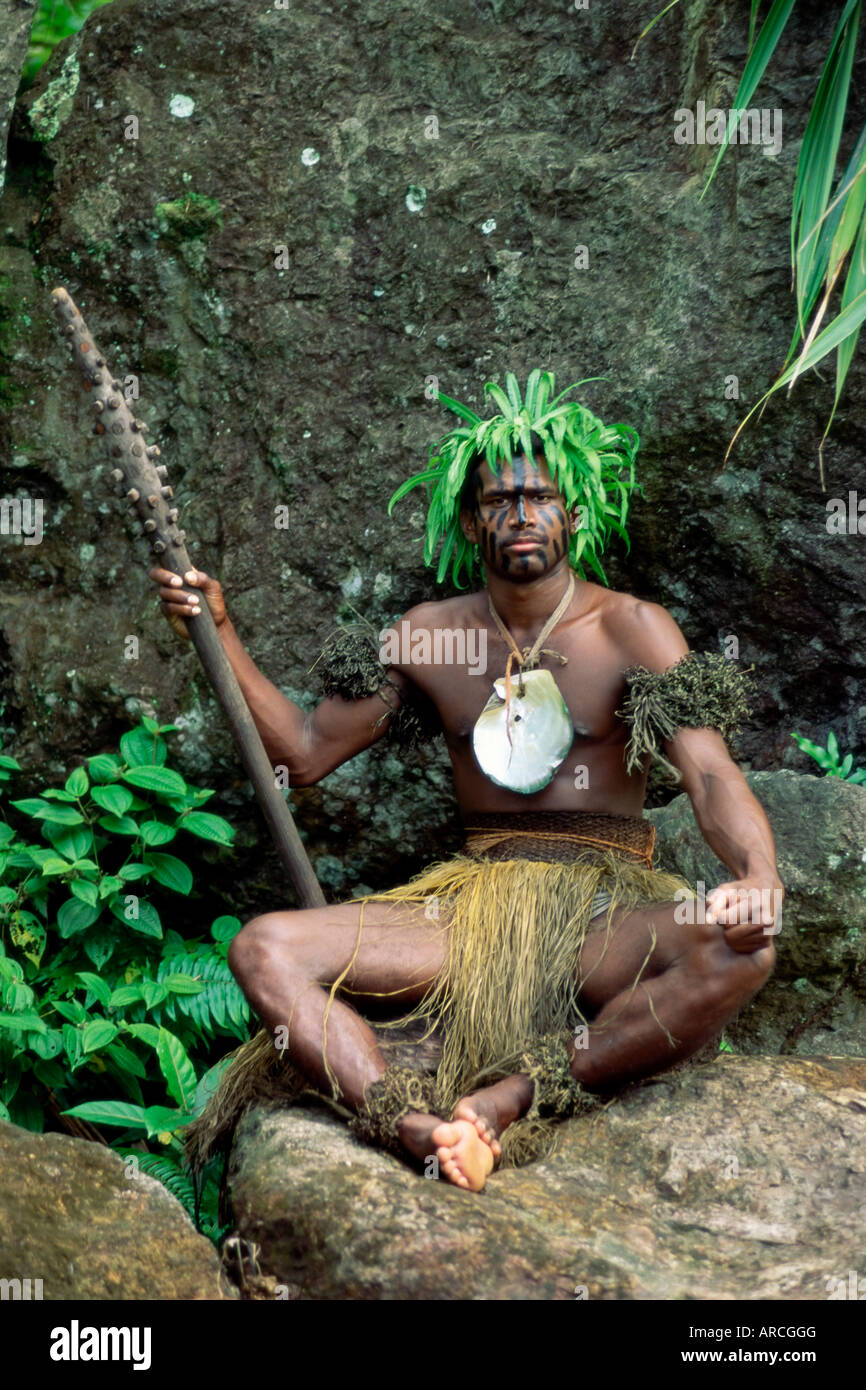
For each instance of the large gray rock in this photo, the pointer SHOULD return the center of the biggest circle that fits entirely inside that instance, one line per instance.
(305, 386)
(70, 1216)
(815, 1001)
(741, 1179)
(16, 19)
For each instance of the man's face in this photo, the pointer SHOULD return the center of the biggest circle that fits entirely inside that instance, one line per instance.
(521, 523)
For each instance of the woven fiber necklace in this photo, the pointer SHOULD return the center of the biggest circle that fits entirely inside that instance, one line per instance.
(524, 732)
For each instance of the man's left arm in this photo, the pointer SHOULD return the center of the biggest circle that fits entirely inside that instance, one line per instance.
(735, 826)
(730, 817)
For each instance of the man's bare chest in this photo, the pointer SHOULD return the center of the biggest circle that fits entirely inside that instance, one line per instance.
(590, 681)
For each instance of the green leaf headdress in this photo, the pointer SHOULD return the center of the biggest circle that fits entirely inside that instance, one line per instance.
(591, 463)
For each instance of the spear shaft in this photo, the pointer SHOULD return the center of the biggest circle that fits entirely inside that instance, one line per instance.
(144, 483)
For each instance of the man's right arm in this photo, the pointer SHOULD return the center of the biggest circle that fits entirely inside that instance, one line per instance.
(308, 745)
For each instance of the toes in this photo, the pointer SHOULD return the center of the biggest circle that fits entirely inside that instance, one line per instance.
(464, 1111)
(445, 1136)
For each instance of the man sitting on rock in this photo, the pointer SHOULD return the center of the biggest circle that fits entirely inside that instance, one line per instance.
(556, 964)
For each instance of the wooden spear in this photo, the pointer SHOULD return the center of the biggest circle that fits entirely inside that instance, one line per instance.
(144, 483)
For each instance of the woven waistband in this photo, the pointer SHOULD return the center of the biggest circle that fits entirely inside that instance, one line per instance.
(559, 836)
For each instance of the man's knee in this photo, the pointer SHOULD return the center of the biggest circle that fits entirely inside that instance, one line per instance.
(262, 940)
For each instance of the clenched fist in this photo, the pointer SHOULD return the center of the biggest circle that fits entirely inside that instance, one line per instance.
(178, 602)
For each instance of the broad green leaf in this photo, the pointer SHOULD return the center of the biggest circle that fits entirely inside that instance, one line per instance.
(162, 1119)
(46, 1045)
(141, 749)
(156, 832)
(71, 1009)
(170, 872)
(110, 884)
(104, 767)
(72, 842)
(98, 1033)
(72, 1046)
(156, 779)
(110, 1112)
(133, 870)
(17, 996)
(96, 985)
(119, 825)
(143, 916)
(177, 1068)
(208, 827)
(124, 995)
(225, 928)
(77, 782)
(45, 810)
(55, 865)
(87, 892)
(127, 1059)
(25, 1020)
(6, 761)
(26, 1112)
(49, 1071)
(153, 993)
(74, 916)
(147, 1032)
(99, 946)
(115, 799)
(28, 934)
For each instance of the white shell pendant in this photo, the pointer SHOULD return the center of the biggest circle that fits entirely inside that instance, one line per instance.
(540, 729)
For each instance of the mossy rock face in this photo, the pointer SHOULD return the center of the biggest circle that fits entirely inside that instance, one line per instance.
(815, 1000)
(91, 1226)
(191, 215)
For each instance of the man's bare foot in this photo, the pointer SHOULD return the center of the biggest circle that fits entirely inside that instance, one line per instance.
(464, 1157)
(495, 1107)
(467, 1146)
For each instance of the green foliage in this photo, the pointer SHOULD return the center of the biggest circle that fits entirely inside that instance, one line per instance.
(55, 20)
(828, 758)
(828, 220)
(168, 1169)
(99, 997)
(591, 463)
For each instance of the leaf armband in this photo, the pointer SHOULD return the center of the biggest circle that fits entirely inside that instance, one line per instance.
(703, 690)
(350, 667)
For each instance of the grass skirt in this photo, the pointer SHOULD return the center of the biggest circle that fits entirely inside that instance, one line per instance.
(515, 928)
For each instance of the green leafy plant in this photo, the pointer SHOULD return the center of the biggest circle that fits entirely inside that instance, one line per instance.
(54, 21)
(828, 758)
(828, 218)
(97, 995)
